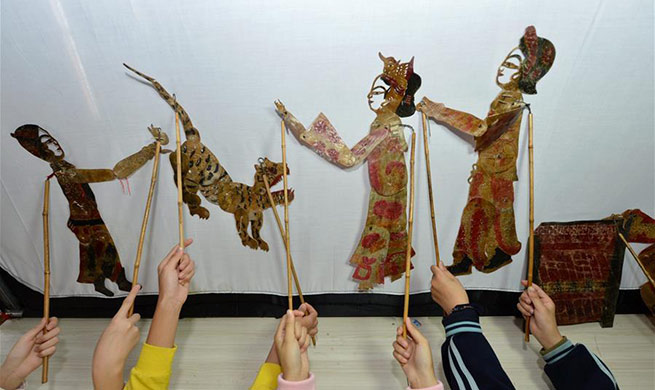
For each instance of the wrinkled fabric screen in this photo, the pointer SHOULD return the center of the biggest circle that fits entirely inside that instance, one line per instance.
(228, 61)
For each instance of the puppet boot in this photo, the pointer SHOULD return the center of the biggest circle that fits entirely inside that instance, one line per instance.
(100, 287)
(462, 267)
(123, 283)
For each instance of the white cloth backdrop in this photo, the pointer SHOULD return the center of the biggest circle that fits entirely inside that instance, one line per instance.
(228, 61)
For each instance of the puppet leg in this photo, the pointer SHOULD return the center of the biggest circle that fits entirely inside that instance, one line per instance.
(242, 221)
(189, 190)
(255, 227)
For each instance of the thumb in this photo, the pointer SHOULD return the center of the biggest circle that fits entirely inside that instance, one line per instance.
(414, 332)
(536, 300)
(36, 329)
(128, 302)
(279, 337)
(290, 327)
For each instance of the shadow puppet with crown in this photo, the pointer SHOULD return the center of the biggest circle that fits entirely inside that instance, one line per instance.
(382, 248)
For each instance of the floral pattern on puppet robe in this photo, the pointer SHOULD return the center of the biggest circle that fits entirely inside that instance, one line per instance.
(487, 235)
(383, 244)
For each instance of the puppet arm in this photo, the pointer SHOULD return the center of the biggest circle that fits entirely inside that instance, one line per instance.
(458, 120)
(323, 139)
(127, 166)
(122, 170)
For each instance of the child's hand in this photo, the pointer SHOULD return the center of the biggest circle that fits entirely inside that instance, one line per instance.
(28, 353)
(415, 357)
(446, 289)
(175, 272)
(114, 346)
(308, 318)
(535, 303)
(290, 341)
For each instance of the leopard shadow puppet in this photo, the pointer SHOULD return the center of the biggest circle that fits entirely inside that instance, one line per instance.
(202, 172)
(99, 259)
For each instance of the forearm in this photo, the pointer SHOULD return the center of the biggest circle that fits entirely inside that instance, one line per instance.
(458, 120)
(272, 356)
(130, 164)
(109, 376)
(164, 324)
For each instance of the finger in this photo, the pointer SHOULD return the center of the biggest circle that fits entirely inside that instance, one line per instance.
(524, 283)
(435, 270)
(52, 323)
(48, 352)
(290, 328)
(279, 333)
(534, 296)
(306, 345)
(401, 350)
(443, 267)
(128, 302)
(134, 318)
(47, 336)
(528, 308)
(310, 309)
(32, 333)
(188, 242)
(540, 291)
(47, 344)
(414, 332)
(400, 340)
(525, 313)
(184, 262)
(400, 358)
(172, 260)
(525, 298)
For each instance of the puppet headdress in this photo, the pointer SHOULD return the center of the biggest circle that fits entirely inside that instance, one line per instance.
(539, 55)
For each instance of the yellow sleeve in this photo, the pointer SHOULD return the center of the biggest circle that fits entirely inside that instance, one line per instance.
(267, 377)
(153, 370)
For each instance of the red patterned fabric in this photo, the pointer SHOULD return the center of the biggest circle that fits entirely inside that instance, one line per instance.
(578, 264)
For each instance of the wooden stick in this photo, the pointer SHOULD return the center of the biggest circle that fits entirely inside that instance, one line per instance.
(144, 224)
(178, 155)
(286, 215)
(531, 239)
(410, 222)
(46, 269)
(641, 264)
(284, 239)
(426, 149)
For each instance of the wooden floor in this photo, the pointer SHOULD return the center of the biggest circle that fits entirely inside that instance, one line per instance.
(225, 353)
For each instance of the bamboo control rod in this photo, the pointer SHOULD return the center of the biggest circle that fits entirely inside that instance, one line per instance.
(46, 269)
(531, 237)
(426, 149)
(286, 215)
(144, 224)
(410, 228)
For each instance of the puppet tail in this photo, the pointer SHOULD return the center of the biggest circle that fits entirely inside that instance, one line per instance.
(145, 76)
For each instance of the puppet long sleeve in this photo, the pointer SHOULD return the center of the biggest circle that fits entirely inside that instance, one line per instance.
(323, 139)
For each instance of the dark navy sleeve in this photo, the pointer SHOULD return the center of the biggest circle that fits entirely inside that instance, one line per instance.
(574, 367)
(469, 362)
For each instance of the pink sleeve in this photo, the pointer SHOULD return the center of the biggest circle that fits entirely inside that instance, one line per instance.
(307, 384)
(438, 386)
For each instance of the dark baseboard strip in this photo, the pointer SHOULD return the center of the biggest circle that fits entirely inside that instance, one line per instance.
(495, 303)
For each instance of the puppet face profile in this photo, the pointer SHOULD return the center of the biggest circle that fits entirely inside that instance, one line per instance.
(396, 92)
(539, 55)
(39, 142)
(508, 72)
(526, 64)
